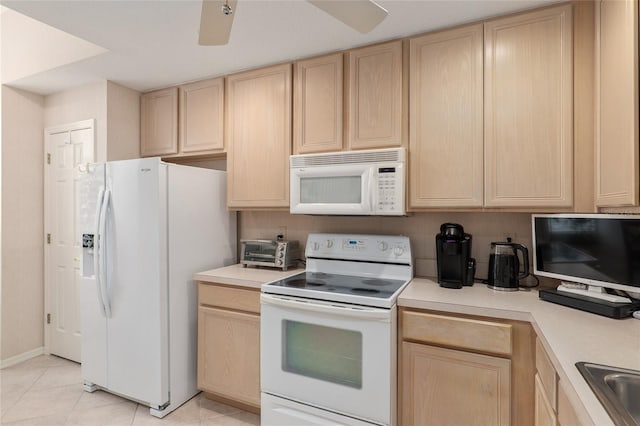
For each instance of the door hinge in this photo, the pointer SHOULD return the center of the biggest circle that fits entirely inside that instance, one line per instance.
(48, 158)
(48, 238)
(48, 318)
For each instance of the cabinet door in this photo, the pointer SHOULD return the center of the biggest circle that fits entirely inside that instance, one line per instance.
(567, 414)
(159, 122)
(317, 105)
(258, 138)
(201, 116)
(445, 139)
(544, 414)
(449, 387)
(376, 101)
(229, 354)
(617, 103)
(529, 110)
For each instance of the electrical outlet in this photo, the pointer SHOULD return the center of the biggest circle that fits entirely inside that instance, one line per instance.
(282, 230)
(508, 235)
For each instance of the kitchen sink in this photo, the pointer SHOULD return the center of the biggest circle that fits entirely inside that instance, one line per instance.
(618, 389)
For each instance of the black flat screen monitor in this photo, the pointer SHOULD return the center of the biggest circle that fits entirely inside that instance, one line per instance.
(596, 249)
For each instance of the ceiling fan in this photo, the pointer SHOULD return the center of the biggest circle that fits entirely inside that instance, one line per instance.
(217, 16)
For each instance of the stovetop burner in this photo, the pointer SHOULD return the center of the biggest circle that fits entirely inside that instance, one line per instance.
(364, 290)
(301, 282)
(376, 282)
(320, 275)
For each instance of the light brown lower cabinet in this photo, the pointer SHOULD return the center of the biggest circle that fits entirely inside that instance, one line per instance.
(450, 387)
(229, 344)
(545, 414)
(567, 414)
(459, 369)
(552, 403)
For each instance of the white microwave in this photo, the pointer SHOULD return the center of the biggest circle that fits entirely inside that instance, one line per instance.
(370, 182)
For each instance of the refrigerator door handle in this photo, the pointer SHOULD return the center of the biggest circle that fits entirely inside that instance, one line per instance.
(102, 254)
(97, 249)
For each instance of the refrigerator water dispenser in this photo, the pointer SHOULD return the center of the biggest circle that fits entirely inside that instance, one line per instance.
(87, 255)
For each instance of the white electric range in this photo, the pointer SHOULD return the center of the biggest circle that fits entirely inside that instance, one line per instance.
(328, 335)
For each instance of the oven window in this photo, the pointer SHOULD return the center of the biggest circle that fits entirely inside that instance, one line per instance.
(326, 353)
(340, 190)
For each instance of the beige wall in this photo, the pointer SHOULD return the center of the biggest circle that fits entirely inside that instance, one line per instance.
(22, 223)
(123, 122)
(421, 228)
(82, 103)
(115, 108)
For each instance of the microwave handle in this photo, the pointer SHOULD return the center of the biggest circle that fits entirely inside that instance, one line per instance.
(373, 193)
(345, 311)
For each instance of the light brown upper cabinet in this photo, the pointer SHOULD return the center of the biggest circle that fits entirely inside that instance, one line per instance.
(617, 171)
(159, 122)
(258, 138)
(202, 116)
(317, 104)
(183, 121)
(375, 97)
(445, 104)
(529, 109)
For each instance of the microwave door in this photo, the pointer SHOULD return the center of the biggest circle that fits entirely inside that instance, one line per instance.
(336, 189)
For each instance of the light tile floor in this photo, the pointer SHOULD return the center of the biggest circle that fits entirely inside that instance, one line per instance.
(47, 391)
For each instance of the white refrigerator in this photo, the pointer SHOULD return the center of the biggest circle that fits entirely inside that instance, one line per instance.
(147, 227)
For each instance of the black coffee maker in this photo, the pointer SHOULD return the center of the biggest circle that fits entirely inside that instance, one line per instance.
(456, 267)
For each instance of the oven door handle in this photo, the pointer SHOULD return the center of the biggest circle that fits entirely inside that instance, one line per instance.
(350, 311)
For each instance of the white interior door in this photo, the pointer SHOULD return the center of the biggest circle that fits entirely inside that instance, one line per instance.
(69, 148)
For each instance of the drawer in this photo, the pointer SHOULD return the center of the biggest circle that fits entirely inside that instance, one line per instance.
(547, 375)
(222, 296)
(464, 333)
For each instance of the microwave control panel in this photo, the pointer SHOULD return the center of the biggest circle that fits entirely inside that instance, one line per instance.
(390, 190)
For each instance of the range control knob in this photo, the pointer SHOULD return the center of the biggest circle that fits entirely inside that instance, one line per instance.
(398, 250)
(329, 243)
(383, 246)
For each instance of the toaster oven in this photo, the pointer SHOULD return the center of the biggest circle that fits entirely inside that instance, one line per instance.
(273, 254)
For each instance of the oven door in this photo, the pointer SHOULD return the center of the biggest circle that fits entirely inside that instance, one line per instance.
(328, 355)
(335, 189)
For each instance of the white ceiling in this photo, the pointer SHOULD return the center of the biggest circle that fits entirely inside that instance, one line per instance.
(153, 44)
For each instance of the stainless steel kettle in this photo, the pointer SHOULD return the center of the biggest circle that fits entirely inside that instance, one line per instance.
(504, 265)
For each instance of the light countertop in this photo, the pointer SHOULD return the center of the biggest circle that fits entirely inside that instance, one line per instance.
(567, 334)
(246, 277)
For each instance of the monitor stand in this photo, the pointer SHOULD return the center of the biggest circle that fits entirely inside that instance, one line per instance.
(596, 292)
(591, 301)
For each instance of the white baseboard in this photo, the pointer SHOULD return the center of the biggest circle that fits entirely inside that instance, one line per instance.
(22, 357)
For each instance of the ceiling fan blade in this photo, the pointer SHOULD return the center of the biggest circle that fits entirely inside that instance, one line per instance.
(215, 25)
(361, 15)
